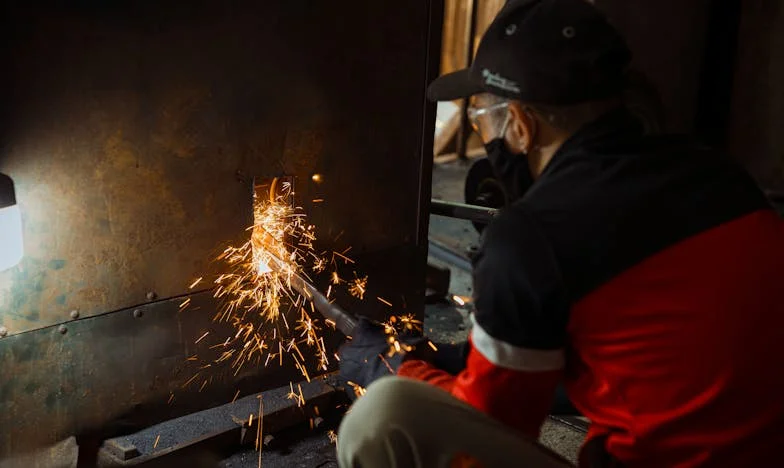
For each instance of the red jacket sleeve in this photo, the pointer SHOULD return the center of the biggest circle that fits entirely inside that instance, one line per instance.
(519, 335)
(519, 399)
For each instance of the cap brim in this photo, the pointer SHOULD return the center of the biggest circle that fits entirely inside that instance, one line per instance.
(456, 85)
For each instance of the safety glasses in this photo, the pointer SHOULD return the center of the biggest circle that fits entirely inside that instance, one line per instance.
(489, 122)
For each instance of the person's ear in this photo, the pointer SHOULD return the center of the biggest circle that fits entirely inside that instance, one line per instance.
(521, 132)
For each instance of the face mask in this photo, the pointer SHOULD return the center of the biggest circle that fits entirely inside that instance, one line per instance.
(511, 169)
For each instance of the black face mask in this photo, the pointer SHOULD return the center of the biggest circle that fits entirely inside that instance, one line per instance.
(511, 169)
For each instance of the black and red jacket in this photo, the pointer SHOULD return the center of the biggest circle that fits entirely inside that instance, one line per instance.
(645, 273)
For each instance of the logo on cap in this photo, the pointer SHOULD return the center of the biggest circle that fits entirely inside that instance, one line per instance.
(497, 81)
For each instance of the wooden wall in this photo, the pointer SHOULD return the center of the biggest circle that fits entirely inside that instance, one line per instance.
(455, 32)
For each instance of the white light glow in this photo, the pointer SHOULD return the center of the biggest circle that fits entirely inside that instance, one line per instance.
(262, 268)
(11, 249)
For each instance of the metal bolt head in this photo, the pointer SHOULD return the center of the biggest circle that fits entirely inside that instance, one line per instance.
(74, 314)
(138, 313)
(62, 329)
(151, 296)
(3, 332)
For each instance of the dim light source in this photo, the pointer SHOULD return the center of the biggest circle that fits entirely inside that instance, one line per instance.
(11, 248)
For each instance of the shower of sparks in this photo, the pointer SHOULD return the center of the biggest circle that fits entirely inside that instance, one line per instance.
(408, 322)
(272, 322)
(319, 265)
(396, 325)
(358, 389)
(333, 437)
(296, 396)
(357, 287)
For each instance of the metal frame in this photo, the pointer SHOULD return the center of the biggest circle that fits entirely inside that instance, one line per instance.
(479, 214)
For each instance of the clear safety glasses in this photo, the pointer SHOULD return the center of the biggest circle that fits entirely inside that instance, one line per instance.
(489, 122)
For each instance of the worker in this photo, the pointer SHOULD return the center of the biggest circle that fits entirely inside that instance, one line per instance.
(642, 272)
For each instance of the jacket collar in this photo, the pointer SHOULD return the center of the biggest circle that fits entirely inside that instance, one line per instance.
(615, 127)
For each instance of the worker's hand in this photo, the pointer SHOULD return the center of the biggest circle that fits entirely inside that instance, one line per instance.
(367, 356)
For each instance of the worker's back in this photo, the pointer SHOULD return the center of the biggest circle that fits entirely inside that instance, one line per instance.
(671, 257)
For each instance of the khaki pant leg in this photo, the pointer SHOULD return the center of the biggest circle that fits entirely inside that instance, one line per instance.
(405, 423)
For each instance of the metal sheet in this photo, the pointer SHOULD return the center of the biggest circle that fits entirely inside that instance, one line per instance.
(116, 373)
(120, 367)
(133, 130)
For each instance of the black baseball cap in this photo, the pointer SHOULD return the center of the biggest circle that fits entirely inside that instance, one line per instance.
(543, 51)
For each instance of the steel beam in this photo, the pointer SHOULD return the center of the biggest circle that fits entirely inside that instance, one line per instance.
(479, 214)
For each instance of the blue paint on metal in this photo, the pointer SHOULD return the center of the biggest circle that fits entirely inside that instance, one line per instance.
(28, 282)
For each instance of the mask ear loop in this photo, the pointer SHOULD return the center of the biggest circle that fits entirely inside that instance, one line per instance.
(505, 127)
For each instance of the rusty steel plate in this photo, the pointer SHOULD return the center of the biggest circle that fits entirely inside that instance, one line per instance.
(133, 131)
(120, 372)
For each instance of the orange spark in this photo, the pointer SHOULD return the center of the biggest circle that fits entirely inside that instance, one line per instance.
(357, 287)
(268, 318)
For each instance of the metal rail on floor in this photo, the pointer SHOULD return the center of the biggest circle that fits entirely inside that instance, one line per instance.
(444, 253)
(280, 412)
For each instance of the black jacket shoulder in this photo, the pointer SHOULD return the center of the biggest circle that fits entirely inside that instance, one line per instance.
(612, 197)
